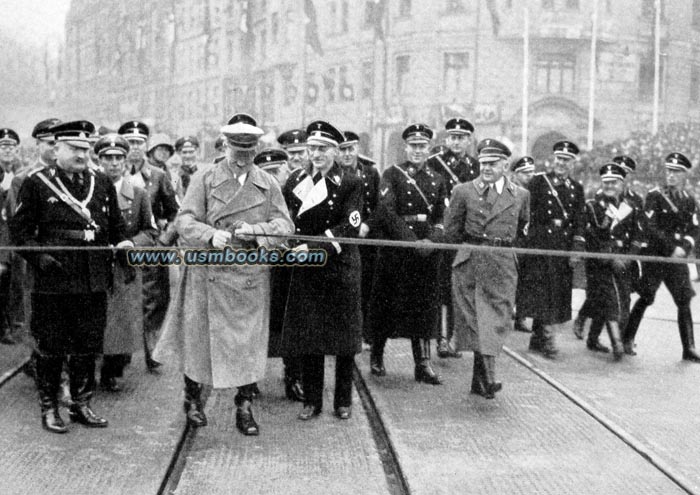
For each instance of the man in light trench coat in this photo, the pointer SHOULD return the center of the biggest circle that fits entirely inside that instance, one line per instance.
(489, 211)
(219, 323)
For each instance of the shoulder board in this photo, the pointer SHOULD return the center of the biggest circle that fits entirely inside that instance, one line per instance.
(656, 189)
(540, 173)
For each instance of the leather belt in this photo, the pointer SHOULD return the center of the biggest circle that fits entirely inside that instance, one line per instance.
(87, 235)
(485, 241)
(422, 217)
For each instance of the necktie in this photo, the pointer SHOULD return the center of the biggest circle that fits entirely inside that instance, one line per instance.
(317, 177)
(492, 195)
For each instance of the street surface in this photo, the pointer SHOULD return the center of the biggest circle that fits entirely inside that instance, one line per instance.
(578, 425)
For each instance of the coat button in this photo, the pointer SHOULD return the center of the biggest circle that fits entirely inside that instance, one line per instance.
(248, 283)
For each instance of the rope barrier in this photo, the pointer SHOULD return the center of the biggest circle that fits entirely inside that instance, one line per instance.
(437, 246)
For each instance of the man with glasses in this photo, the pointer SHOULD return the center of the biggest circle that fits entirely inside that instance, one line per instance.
(164, 205)
(404, 300)
(557, 222)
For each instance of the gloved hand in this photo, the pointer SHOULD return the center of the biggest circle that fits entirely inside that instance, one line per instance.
(426, 251)
(49, 264)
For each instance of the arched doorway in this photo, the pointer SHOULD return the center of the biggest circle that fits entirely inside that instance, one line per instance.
(542, 147)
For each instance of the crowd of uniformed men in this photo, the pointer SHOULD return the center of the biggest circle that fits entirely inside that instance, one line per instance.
(115, 190)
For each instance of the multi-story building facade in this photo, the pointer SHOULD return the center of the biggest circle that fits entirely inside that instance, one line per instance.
(375, 65)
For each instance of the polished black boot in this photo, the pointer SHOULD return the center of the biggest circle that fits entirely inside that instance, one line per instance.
(48, 379)
(376, 357)
(112, 367)
(578, 326)
(593, 340)
(630, 331)
(491, 386)
(293, 388)
(194, 410)
(536, 337)
(615, 339)
(245, 422)
(548, 346)
(81, 370)
(478, 385)
(685, 327)
(421, 357)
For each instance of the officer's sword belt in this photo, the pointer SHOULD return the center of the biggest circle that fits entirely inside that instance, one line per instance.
(71, 202)
(556, 196)
(448, 169)
(673, 206)
(412, 181)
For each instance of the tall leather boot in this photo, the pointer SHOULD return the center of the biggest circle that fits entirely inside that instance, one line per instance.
(245, 422)
(445, 349)
(615, 339)
(593, 340)
(376, 357)
(491, 386)
(548, 348)
(578, 326)
(478, 384)
(635, 319)
(81, 370)
(194, 410)
(293, 388)
(536, 337)
(421, 357)
(685, 327)
(48, 381)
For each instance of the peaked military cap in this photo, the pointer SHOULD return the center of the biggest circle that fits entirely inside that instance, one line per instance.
(678, 161)
(491, 150)
(350, 139)
(112, 144)
(160, 139)
(294, 140)
(190, 142)
(612, 171)
(242, 131)
(417, 133)
(242, 117)
(625, 162)
(566, 148)
(524, 164)
(76, 133)
(459, 126)
(271, 158)
(8, 136)
(41, 130)
(320, 132)
(134, 129)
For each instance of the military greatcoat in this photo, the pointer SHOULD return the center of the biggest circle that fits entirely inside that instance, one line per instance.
(218, 322)
(323, 314)
(484, 282)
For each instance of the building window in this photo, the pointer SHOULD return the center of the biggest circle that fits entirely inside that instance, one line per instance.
(344, 14)
(555, 74)
(572, 4)
(455, 72)
(403, 67)
(696, 14)
(646, 77)
(695, 84)
(367, 79)
(404, 8)
(548, 4)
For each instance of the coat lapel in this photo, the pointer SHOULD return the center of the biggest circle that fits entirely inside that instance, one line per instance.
(314, 196)
(126, 195)
(232, 197)
(505, 200)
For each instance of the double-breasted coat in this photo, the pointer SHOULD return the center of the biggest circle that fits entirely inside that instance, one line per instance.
(124, 315)
(219, 321)
(557, 222)
(323, 315)
(405, 300)
(68, 288)
(484, 282)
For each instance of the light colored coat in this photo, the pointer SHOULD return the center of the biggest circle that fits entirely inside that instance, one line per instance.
(484, 282)
(124, 329)
(218, 323)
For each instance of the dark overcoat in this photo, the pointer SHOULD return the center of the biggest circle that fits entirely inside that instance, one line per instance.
(323, 313)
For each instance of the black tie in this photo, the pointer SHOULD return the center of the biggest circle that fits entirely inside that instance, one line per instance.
(317, 177)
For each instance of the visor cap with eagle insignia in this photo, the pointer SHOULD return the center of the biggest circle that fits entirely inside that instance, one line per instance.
(242, 131)
(323, 134)
(8, 136)
(524, 164)
(293, 140)
(271, 158)
(134, 130)
(77, 133)
(626, 162)
(565, 149)
(678, 161)
(612, 171)
(492, 150)
(350, 139)
(112, 144)
(41, 130)
(187, 143)
(417, 133)
(459, 126)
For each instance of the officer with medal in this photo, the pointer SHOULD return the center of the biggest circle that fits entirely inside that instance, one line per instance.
(613, 225)
(164, 205)
(456, 166)
(523, 170)
(489, 211)
(671, 231)
(557, 222)
(68, 205)
(405, 300)
(365, 169)
(323, 314)
(294, 143)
